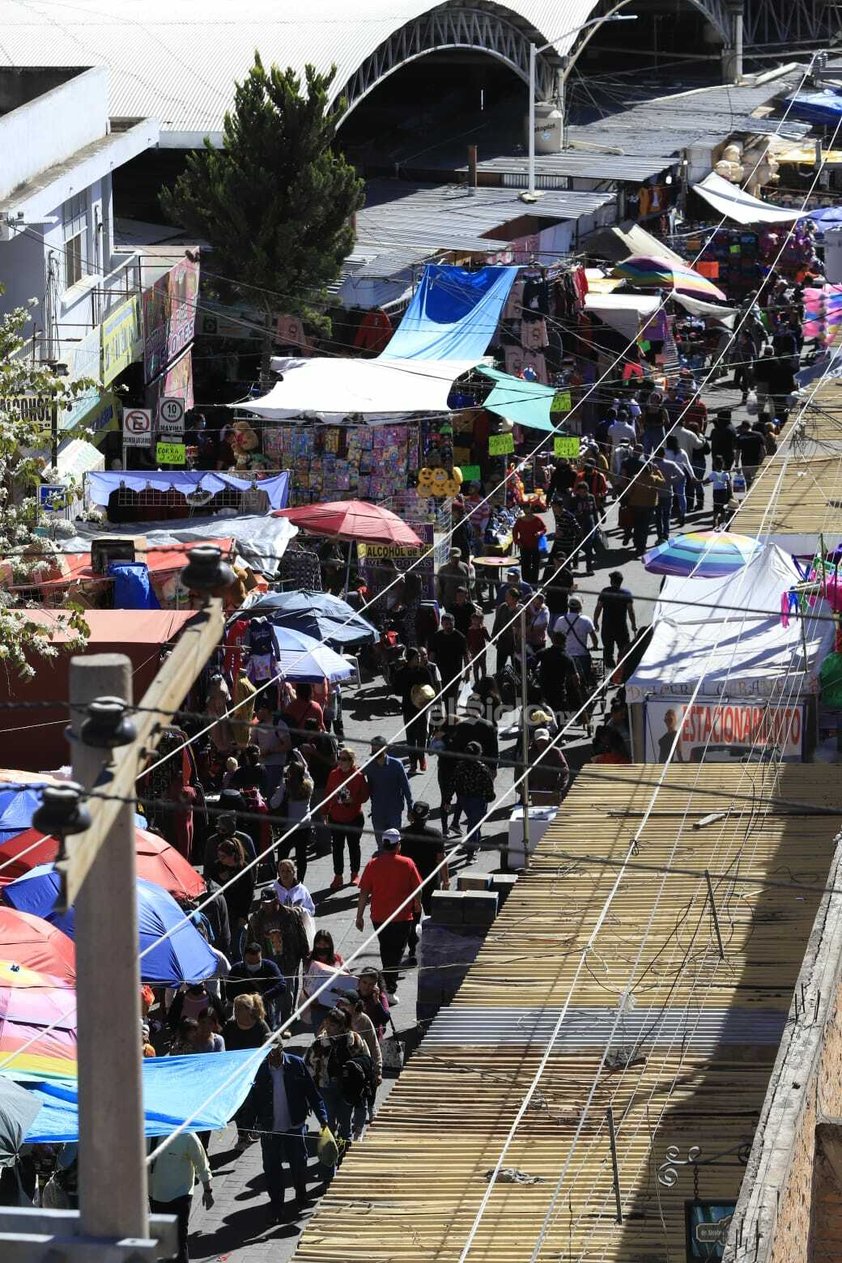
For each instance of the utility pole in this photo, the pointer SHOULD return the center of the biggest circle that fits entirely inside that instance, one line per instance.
(109, 752)
(113, 1199)
(524, 735)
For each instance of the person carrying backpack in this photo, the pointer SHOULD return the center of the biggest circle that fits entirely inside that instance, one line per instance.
(340, 1063)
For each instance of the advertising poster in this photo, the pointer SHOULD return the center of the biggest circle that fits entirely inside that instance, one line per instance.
(723, 732)
(169, 317)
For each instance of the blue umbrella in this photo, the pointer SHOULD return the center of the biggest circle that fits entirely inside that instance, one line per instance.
(183, 956)
(317, 614)
(303, 658)
(16, 808)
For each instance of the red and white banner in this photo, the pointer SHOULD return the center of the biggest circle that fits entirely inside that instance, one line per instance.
(723, 732)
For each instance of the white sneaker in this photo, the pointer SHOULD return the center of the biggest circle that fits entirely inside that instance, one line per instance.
(393, 998)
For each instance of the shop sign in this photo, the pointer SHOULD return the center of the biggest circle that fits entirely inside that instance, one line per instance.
(707, 1224)
(175, 383)
(723, 732)
(120, 339)
(169, 317)
(561, 401)
(566, 446)
(36, 409)
(170, 453)
(52, 496)
(471, 473)
(500, 444)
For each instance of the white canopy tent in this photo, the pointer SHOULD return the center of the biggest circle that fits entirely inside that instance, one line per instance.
(733, 202)
(325, 389)
(738, 653)
(627, 313)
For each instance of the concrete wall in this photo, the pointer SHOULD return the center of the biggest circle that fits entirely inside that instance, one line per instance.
(52, 128)
(790, 1205)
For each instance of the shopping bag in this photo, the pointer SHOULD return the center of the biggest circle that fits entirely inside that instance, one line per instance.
(327, 1148)
(392, 1053)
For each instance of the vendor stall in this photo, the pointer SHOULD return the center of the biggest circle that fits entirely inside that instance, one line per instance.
(759, 670)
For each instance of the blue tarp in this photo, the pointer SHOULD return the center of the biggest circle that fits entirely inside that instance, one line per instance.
(453, 315)
(174, 1089)
(16, 808)
(132, 588)
(183, 956)
(100, 485)
(824, 106)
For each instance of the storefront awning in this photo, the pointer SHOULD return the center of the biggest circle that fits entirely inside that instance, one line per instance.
(733, 202)
(523, 403)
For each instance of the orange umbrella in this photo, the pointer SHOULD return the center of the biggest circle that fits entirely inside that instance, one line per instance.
(157, 861)
(353, 520)
(32, 942)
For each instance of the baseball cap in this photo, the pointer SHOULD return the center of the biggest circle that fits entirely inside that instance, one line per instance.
(420, 809)
(390, 839)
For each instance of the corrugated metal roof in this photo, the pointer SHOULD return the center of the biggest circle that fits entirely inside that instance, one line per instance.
(450, 217)
(179, 62)
(576, 164)
(692, 1037)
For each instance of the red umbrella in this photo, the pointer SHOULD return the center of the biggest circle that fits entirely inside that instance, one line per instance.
(34, 943)
(157, 861)
(352, 519)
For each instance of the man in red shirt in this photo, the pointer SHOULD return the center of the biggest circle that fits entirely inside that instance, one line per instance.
(388, 881)
(527, 533)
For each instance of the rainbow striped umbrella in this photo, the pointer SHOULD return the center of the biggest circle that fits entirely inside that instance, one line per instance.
(650, 272)
(30, 1003)
(702, 554)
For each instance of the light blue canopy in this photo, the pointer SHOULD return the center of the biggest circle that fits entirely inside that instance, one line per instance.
(524, 403)
(303, 658)
(174, 1090)
(187, 481)
(453, 315)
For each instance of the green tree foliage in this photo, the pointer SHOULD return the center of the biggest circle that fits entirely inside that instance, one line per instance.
(25, 549)
(275, 202)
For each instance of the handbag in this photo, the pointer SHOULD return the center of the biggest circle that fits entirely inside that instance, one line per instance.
(391, 1051)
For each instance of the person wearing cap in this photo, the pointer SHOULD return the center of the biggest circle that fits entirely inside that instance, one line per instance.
(424, 845)
(280, 930)
(505, 630)
(414, 684)
(454, 574)
(230, 802)
(388, 787)
(449, 651)
(549, 774)
(616, 608)
(514, 580)
(391, 883)
(527, 533)
(462, 609)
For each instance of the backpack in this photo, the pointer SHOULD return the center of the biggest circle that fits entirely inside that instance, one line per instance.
(355, 1078)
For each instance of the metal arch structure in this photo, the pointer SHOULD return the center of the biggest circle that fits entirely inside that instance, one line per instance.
(452, 29)
(773, 26)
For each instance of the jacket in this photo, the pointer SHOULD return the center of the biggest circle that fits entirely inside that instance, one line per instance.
(302, 1094)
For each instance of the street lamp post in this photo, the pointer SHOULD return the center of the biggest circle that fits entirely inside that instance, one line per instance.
(533, 74)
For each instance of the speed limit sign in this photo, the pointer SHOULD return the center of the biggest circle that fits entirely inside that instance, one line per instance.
(137, 427)
(171, 416)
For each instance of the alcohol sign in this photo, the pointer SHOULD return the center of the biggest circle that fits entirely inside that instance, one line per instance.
(137, 427)
(170, 453)
(170, 416)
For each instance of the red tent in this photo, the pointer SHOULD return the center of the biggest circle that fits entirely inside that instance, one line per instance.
(352, 519)
(33, 942)
(157, 861)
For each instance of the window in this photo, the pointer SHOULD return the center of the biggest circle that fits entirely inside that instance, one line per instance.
(75, 218)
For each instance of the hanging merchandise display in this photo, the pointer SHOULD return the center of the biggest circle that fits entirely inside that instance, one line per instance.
(337, 462)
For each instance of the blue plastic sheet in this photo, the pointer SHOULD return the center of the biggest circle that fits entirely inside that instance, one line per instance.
(824, 106)
(132, 587)
(183, 956)
(16, 808)
(453, 314)
(175, 1089)
(100, 485)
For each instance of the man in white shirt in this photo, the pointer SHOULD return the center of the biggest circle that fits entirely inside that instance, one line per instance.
(577, 630)
(687, 440)
(621, 431)
(172, 1175)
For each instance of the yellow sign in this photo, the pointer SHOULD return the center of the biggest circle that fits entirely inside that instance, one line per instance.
(568, 447)
(170, 453)
(500, 444)
(120, 340)
(561, 401)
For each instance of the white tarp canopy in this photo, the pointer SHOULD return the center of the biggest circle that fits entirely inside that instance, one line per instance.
(331, 389)
(698, 307)
(739, 653)
(638, 241)
(733, 202)
(627, 313)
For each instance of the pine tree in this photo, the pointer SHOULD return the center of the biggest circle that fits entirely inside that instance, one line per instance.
(276, 201)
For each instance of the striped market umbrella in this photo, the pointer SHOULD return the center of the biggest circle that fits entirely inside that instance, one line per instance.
(702, 554)
(37, 1024)
(650, 272)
